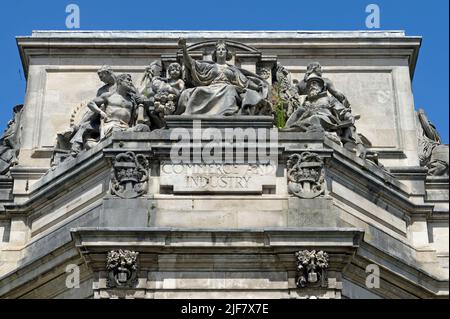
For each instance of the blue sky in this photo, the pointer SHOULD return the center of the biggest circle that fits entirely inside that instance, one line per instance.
(424, 18)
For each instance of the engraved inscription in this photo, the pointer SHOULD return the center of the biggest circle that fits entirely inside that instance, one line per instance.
(191, 178)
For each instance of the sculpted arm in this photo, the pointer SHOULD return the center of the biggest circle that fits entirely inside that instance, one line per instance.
(188, 61)
(253, 86)
(96, 104)
(337, 94)
(247, 81)
(181, 85)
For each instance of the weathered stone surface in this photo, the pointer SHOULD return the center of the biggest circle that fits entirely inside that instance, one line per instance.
(188, 121)
(318, 212)
(118, 212)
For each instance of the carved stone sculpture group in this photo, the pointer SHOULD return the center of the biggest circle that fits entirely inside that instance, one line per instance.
(216, 88)
(189, 86)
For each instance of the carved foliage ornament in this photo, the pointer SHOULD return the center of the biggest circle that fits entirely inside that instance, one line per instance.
(122, 267)
(311, 267)
(306, 178)
(129, 175)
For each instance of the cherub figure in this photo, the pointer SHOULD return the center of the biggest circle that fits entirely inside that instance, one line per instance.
(175, 80)
(169, 91)
(160, 95)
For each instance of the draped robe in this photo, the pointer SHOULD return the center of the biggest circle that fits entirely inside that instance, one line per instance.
(220, 90)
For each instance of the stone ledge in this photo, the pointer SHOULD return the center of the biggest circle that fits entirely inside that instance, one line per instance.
(215, 238)
(246, 121)
(175, 34)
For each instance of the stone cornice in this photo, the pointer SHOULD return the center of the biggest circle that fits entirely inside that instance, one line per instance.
(340, 244)
(142, 43)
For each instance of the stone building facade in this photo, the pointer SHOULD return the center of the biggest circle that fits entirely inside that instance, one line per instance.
(354, 181)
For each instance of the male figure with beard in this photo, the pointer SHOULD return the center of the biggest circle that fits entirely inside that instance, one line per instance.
(321, 112)
(87, 132)
(315, 69)
(117, 108)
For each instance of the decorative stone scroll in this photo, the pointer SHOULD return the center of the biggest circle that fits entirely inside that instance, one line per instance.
(122, 266)
(312, 268)
(306, 175)
(129, 175)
